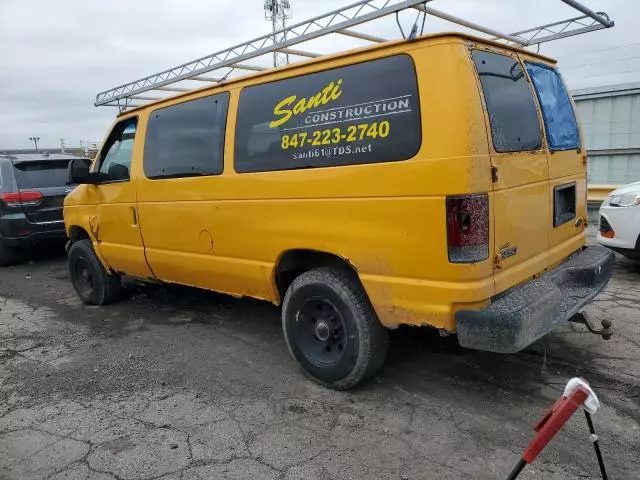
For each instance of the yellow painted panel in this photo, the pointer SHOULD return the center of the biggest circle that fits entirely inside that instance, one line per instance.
(521, 217)
(227, 232)
(566, 163)
(572, 228)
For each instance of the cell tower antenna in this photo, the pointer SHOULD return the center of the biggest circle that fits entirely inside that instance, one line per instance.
(277, 12)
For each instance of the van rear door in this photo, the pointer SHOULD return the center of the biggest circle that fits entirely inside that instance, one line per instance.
(567, 162)
(520, 199)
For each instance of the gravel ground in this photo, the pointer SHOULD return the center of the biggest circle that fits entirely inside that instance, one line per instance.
(177, 383)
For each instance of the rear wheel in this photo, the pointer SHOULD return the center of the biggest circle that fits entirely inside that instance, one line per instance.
(331, 328)
(95, 286)
(8, 255)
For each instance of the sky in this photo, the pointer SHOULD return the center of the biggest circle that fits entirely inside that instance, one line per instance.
(56, 55)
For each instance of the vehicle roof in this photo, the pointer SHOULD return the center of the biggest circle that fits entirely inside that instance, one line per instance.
(629, 188)
(344, 54)
(37, 157)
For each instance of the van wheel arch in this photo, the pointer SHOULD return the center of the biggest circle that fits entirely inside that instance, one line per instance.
(77, 233)
(293, 263)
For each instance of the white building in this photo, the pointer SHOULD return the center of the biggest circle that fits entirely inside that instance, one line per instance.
(610, 118)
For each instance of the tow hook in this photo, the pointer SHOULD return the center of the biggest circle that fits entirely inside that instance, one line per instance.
(605, 332)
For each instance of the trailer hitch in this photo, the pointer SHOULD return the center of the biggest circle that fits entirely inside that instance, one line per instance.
(605, 332)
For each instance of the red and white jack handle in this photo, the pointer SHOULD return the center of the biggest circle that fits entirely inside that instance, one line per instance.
(555, 418)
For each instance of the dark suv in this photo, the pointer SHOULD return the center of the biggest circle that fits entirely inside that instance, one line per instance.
(32, 191)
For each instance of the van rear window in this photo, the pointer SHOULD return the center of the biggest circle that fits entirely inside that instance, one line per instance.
(510, 104)
(559, 118)
(363, 113)
(34, 174)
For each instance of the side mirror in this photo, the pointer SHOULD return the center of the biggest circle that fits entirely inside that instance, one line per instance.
(79, 172)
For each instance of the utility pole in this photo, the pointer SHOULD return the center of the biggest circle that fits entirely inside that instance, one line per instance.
(35, 140)
(277, 12)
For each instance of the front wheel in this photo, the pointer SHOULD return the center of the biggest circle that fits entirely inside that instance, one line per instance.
(95, 286)
(331, 328)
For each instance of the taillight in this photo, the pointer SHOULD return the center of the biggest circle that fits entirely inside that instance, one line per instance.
(21, 199)
(468, 228)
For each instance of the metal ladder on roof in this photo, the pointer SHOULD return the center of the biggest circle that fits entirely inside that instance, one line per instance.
(341, 22)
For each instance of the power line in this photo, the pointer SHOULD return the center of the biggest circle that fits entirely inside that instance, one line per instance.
(616, 47)
(604, 74)
(564, 66)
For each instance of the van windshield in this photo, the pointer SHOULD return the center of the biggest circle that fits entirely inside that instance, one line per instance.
(557, 111)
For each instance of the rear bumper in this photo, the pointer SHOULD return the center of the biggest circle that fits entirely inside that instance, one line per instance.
(17, 231)
(521, 315)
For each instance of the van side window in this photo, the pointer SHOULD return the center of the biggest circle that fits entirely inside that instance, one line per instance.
(187, 139)
(115, 165)
(363, 113)
(559, 118)
(510, 104)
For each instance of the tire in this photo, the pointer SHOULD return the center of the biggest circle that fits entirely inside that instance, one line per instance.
(8, 255)
(89, 278)
(331, 328)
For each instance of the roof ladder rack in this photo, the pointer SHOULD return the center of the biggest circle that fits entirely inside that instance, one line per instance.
(341, 22)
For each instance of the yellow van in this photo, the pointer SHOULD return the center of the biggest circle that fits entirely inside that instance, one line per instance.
(438, 182)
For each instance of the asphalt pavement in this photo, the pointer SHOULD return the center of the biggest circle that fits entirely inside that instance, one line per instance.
(177, 383)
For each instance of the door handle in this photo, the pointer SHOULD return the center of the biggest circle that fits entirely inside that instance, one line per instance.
(134, 216)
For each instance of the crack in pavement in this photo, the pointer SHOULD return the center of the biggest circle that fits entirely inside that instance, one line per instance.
(236, 411)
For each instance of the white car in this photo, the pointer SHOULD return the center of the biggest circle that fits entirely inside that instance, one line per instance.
(620, 221)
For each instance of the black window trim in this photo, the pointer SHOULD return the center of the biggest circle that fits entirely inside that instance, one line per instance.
(99, 164)
(359, 62)
(541, 128)
(558, 220)
(223, 136)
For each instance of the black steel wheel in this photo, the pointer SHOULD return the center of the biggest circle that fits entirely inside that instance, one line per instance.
(95, 286)
(321, 332)
(84, 277)
(331, 329)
